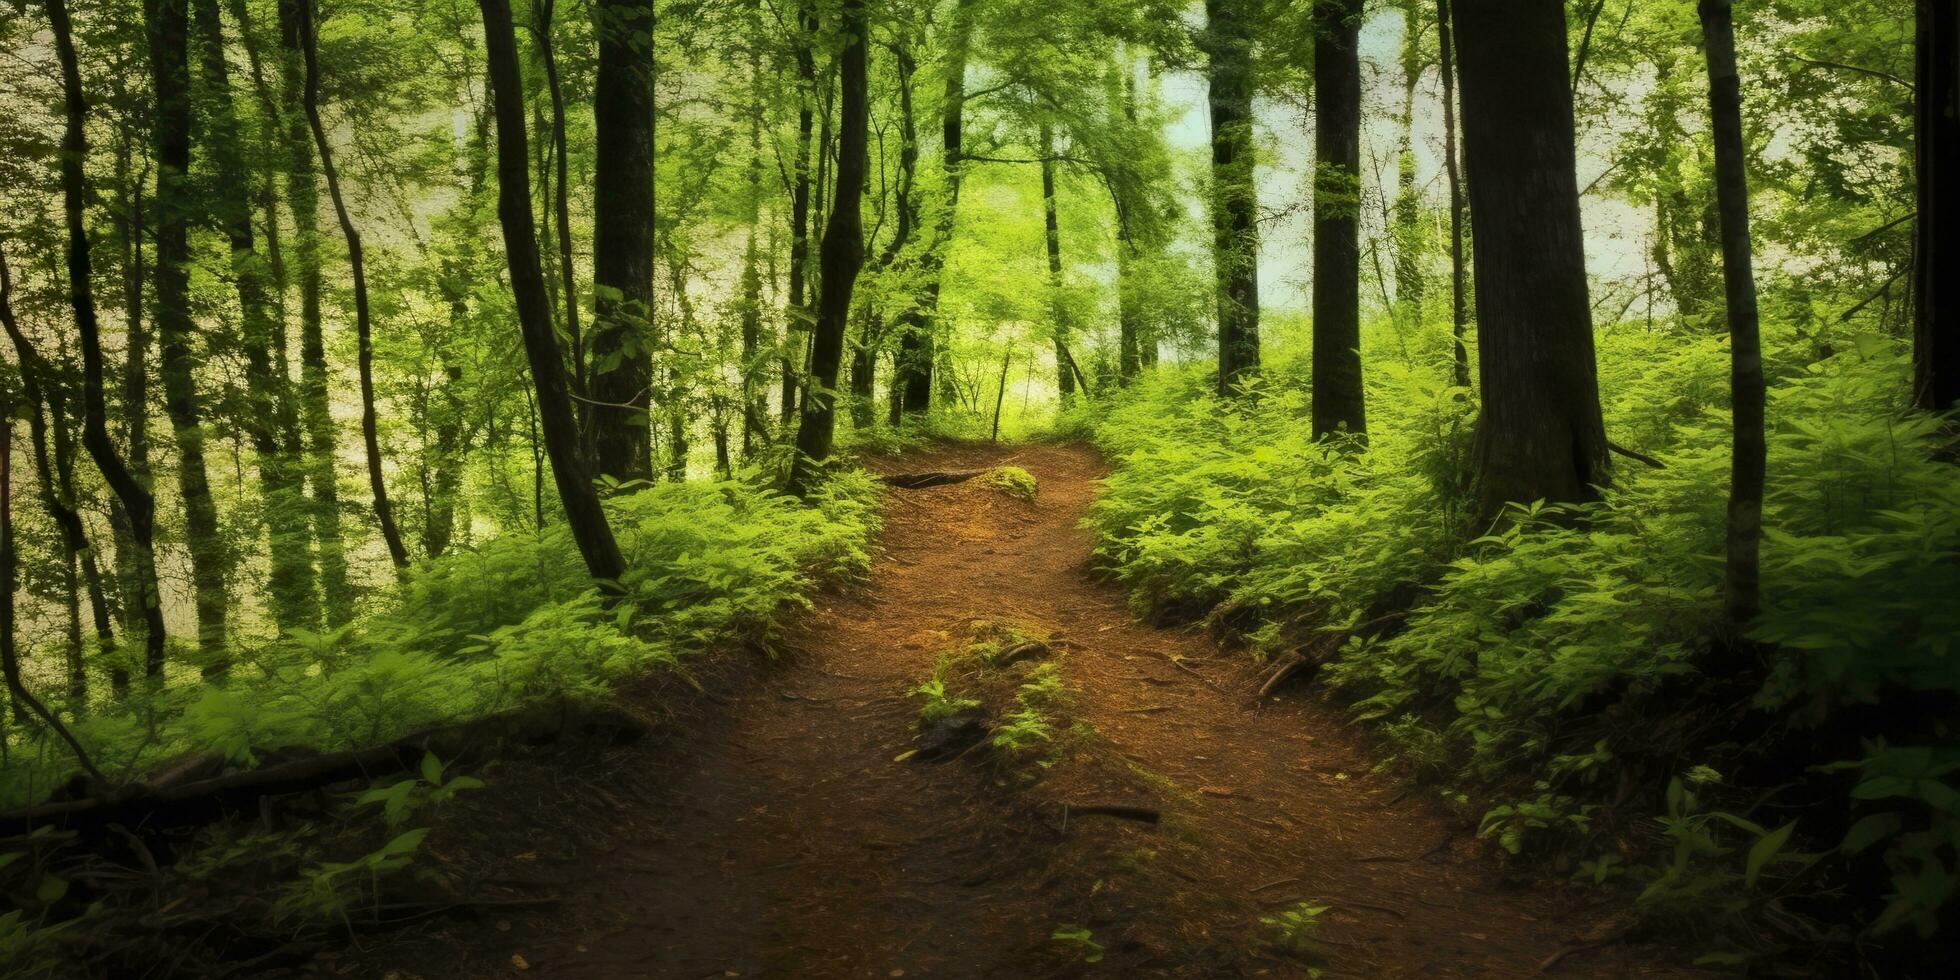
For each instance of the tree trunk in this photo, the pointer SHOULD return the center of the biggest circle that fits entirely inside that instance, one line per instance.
(1936, 294)
(622, 240)
(841, 255)
(291, 584)
(1540, 435)
(384, 513)
(560, 424)
(1129, 325)
(1235, 201)
(798, 314)
(1051, 225)
(133, 493)
(1743, 580)
(1339, 404)
(1407, 237)
(316, 406)
(1459, 307)
(168, 28)
(916, 353)
(755, 409)
(561, 202)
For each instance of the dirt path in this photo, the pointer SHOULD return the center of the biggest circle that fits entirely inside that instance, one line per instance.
(779, 837)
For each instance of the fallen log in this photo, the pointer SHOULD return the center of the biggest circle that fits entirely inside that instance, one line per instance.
(169, 800)
(929, 478)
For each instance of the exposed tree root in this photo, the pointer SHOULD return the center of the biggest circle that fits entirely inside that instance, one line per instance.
(1142, 814)
(929, 478)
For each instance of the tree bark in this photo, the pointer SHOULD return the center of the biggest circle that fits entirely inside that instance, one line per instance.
(1406, 236)
(1742, 581)
(384, 512)
(138, 506)
(755, 410)
(1235, 202)
(168, 29)
(555, 414)
(1936, 121)
(1339, 404)
(622, 240)
(561, 203)
(1540, 435)
(288, 555)
(1459, 307)
(841, 255)
(316, 407)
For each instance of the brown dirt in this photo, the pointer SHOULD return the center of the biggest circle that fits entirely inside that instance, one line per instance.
(775, 835)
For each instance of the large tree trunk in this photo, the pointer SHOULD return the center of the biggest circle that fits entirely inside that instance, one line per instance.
(555, 414)
(288, 554)
(841, 255)
(55, 467)
(1459, 307)
(1540, 435)
(1051, 225)
(1339, 404)
(1936, 294)
(168, 27)
(622, 240)
(384, 512)
(1234, 198)
(138, 506)
(316, 405)
(1743, 579)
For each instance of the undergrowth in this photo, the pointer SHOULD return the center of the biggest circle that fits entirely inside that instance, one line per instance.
(1561, 669)
(514, 621)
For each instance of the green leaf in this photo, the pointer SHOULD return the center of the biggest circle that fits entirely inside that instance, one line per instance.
(1765, 849)
(431, 769)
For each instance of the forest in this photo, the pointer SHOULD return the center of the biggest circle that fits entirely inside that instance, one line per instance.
(979, 488)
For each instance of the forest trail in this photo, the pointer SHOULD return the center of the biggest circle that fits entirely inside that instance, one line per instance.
(778, 837)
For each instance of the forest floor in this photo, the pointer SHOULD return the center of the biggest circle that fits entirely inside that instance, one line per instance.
(774, 833)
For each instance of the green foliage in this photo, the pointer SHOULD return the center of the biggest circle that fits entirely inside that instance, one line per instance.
(1546, 662)
(938, 704)
(1079, 942)
(514, 621)
(1296, 930)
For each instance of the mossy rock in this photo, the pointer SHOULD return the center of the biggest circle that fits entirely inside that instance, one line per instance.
(1013, 481)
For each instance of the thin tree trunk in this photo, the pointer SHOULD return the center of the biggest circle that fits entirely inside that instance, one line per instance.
(1459, 306)
(1339, 404)
(622, 240)
(1235, 201)
(291, 563)
(1129, 325)
(1742, 583)
(168, 27)
(132, 492)
(561, 200)
(384, 512)
(755, 409)
(316, 407)
(841, 255)
(1406, 235)
(1052, 235)
(1540, 435)
(1936, 121)
(559, 423)
(799, 314)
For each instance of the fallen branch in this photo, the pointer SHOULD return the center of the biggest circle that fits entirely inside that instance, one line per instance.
(1636, 455)
(930, 478)
(180, 803)
(1142, 814)
(1280, 676)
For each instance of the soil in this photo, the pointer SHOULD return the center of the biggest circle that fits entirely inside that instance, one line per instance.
(775, 833)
